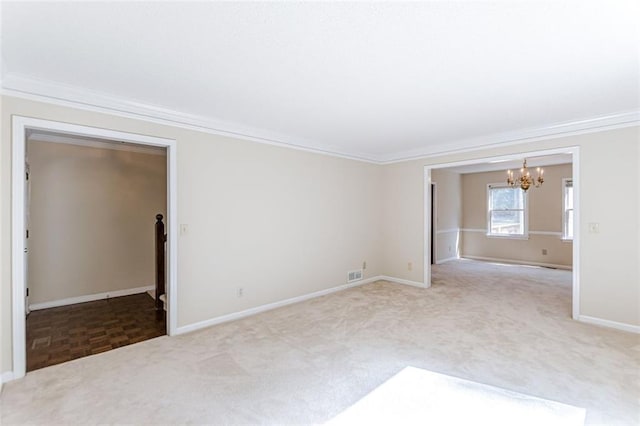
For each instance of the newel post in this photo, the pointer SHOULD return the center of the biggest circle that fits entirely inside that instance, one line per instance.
(161, 238)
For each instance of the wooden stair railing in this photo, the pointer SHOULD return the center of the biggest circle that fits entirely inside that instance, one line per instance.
(161, 239)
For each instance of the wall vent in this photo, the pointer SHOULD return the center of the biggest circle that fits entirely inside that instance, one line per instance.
(354, 275)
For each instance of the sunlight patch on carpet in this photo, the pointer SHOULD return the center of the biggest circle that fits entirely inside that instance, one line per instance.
(416, 396)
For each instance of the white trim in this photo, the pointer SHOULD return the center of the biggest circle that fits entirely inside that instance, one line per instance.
(517, 137)
(575, 309)
(90, 298)
(269, 306)
(564, 209)
(20, 125)
(171, 290)
(550, 233)
(84, 99)
(427, 243)
(447, 231)
(517, 262)
(75, 97)
(434, 222)
(610, 324)
(505, 157)
(508, 237)
(7, 376)
(448, 259)
(40, 137)
(484, 231)
(18, 287)
(403, 281)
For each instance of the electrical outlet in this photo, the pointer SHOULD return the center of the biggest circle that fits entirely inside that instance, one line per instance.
(410, 266)
(544, 252)
(364, 265)
(240, 292)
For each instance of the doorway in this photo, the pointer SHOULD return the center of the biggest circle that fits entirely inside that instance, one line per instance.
(22, 127)
(91, 245)
(429, 237)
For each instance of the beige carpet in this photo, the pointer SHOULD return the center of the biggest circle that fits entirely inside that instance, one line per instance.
(504, 326)
(420, 397)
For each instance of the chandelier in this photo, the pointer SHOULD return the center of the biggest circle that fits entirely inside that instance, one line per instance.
(525, 180)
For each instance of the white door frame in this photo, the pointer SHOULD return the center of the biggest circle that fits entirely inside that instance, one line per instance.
(573, 150)
(433, 232)
(20, 125)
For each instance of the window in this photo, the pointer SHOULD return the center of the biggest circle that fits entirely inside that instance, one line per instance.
(507, 216)
(567, 209)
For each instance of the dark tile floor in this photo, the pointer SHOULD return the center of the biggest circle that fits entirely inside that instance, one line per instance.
(61, 334)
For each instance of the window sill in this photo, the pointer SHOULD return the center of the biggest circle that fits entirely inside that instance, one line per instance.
(508, 237)
(567, 240)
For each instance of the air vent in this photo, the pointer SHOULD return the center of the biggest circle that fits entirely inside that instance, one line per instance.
(354, 276)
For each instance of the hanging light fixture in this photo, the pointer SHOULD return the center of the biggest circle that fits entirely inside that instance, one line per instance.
(525, 180)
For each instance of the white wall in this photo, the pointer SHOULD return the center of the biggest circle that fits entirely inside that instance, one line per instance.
(278, 222)
(283, 223)
(610, 280)
(92, 219)
(403, 221)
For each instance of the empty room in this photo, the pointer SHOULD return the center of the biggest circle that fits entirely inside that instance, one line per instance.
(96, 202)
(368, 212)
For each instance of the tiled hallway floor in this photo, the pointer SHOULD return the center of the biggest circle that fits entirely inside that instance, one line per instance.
(64, 333)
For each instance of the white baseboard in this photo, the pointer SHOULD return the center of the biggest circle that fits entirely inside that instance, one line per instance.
(611, 324)
(263, 308)
(402, 281)
(517, 262)
(448, 259)
(7, 376)
(269, 306)
(89, 298)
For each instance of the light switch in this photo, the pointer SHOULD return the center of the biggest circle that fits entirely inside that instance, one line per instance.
(594, 227)
(184, 228)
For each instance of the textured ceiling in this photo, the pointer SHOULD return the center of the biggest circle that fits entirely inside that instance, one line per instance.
(379, 81)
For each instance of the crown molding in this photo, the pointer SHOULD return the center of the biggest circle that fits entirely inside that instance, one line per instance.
(75, 97)
(496, 140)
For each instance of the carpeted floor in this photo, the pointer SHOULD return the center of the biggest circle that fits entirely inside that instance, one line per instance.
(505, 326)
(420, 397)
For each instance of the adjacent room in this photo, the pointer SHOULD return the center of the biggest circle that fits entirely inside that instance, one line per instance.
(481, 213)
(90, 215)
(320, 212)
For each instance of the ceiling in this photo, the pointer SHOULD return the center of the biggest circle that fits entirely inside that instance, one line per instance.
(378, 81)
